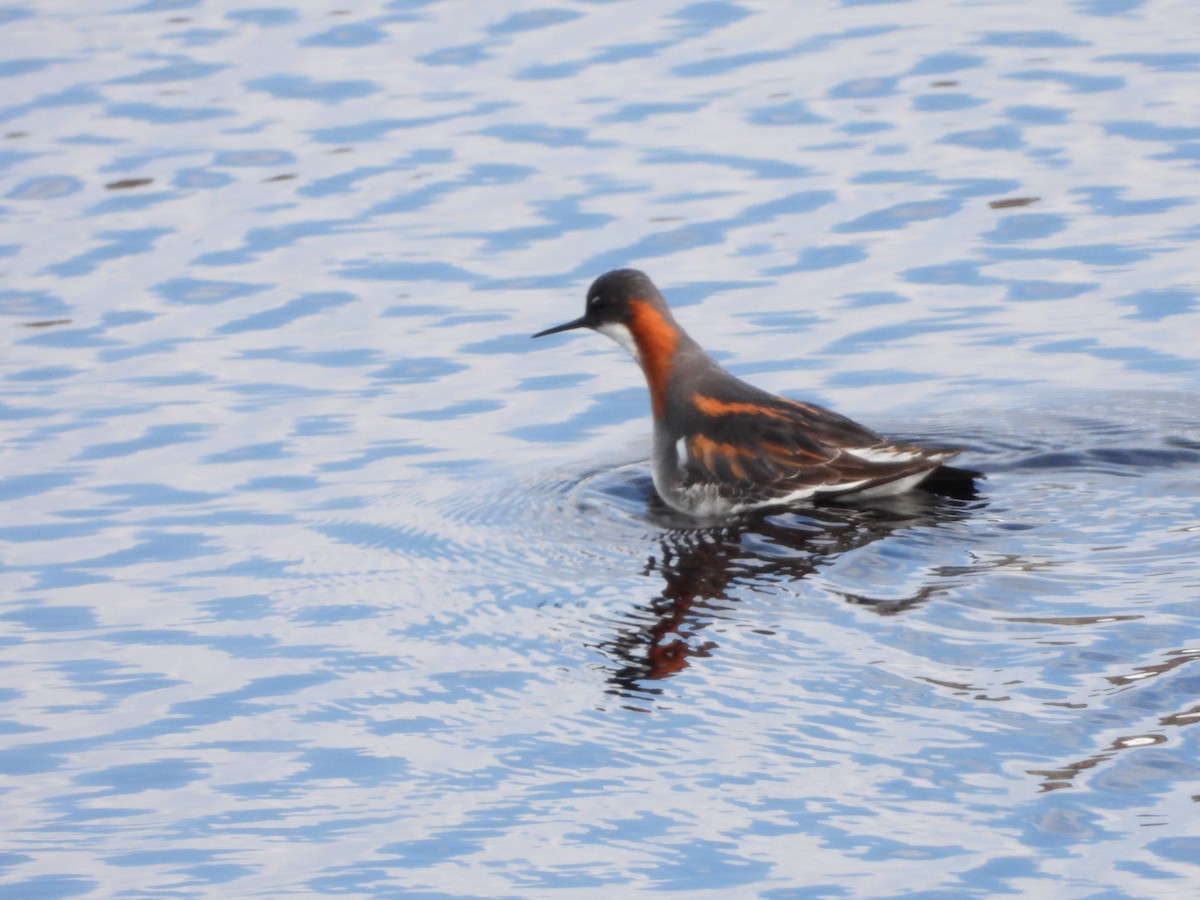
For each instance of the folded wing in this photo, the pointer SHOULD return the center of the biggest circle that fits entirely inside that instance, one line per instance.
(780, 450)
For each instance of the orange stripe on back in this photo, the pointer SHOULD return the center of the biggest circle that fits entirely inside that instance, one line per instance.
(786, 455)
(706, 450)
(711, 406)
(656, 340)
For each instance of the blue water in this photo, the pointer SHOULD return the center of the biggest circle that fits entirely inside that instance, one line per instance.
(318, 577)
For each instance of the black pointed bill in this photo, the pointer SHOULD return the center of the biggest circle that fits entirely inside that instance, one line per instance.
(581, 322)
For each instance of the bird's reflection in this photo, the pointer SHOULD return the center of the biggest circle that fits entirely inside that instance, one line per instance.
(658, 638)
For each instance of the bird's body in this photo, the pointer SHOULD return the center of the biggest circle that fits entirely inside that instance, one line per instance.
(722, 446)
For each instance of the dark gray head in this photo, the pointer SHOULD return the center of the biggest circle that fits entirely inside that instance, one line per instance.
(613, 301)
(625, 305)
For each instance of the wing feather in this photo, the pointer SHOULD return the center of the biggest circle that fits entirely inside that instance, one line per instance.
(757, 445)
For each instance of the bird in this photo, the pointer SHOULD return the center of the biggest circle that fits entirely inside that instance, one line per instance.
(723, 447)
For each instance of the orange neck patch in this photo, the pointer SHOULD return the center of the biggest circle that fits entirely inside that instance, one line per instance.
(656, 341)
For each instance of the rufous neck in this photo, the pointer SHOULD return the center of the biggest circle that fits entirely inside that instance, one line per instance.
(658, 339)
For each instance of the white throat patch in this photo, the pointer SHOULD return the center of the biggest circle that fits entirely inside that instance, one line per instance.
(622, 336)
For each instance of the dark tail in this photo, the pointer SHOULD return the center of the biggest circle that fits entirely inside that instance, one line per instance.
(952, 481)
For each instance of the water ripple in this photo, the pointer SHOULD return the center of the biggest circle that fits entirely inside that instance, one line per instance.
(306, 545)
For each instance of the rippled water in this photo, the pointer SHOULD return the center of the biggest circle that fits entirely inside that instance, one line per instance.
(319, 577)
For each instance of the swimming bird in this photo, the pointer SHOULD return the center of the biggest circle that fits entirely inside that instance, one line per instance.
(724, 447)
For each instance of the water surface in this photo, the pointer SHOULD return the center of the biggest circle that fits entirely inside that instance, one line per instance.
(320, 578)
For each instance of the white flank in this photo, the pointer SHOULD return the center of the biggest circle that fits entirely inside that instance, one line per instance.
(899, 486)
(810, 491)
(885, 454)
